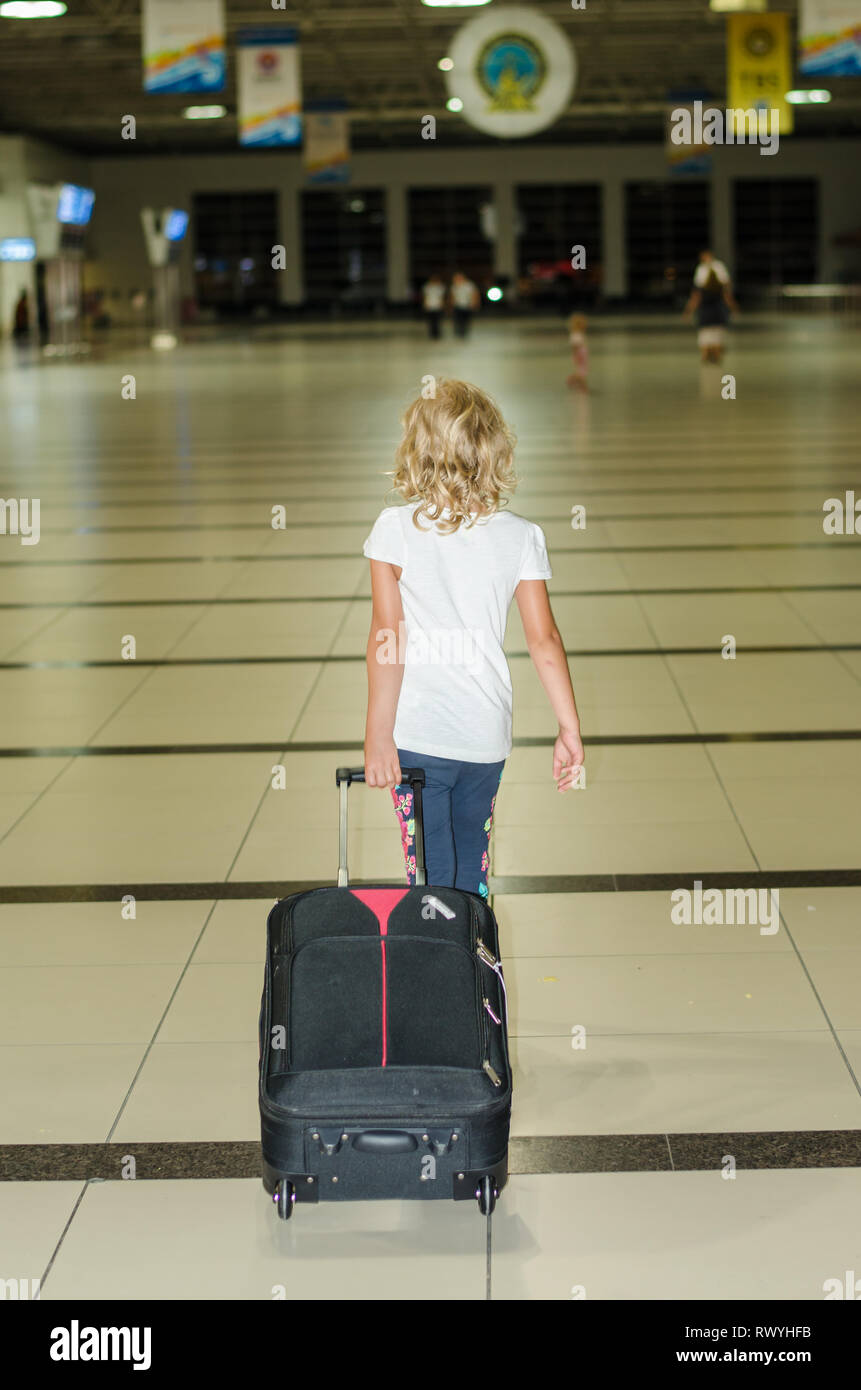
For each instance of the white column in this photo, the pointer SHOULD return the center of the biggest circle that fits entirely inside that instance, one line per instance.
(291, 287)
(397, 251)
(721, 239)
(613, 238)
(505, 245)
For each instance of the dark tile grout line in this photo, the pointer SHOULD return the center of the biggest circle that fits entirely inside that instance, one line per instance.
(199, 938)
(212, 909)
(834, 543)
(185, 968)
(692, 738)
(181, 527)
(221, 890)
(63, 1234)
(677, 591)
(708, 753)
(108, 663)
(857, 1082)
(86, 494)
(856, 675)
(537, 1155)
(210, 466)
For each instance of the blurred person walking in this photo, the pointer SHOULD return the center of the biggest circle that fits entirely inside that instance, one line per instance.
(579, 352)
(433, 303)
(464, 301)
(711, 300)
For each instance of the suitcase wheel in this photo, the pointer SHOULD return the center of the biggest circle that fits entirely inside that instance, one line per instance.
(284, 1198)
(486, 1194)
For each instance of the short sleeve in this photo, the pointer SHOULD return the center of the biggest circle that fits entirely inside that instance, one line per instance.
(534, 564)
(386, 541)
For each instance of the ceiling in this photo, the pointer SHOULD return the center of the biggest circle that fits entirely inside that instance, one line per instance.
(70, 80)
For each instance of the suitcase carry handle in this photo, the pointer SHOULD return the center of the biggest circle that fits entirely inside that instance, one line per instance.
(412, 776)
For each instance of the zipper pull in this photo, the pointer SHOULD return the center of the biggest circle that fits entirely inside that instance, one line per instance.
(486, 1002)
(494, 1076)
(484, 954)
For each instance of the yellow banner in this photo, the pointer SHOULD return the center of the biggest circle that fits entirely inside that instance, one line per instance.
(759, 68)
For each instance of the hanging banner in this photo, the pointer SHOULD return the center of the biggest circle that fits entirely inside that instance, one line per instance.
(513, 70)
(759, 68)
(183, 45)
(327, 143)
(269, 87)
(685, 158)
(829, 38)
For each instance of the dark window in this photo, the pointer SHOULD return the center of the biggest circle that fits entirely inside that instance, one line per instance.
(344, 247)
(552, 218)
(233, 238)
(666, 227)
(776, 232)
(451, 229)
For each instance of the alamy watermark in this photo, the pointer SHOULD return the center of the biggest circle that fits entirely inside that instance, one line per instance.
(19, 516)
(439, 646)
(736, 126)
(726, 906)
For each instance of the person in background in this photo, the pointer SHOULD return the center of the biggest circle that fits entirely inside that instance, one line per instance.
(464, 301)
(21, 324)
(708, 265)
(579, 352)
(711, 300)
(433, 303)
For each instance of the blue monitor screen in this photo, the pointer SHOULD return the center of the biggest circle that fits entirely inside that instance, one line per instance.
(176, 224)
(75, 205)
(17, 248)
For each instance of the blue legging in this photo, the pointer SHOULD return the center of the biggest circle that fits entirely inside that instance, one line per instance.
(457, 808)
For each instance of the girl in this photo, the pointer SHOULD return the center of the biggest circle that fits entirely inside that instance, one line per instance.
(579, 352)
(444, 570)
(711, 300)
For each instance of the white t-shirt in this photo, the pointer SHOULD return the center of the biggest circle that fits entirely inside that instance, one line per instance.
(463, 294)
(704, 270)
(456, 590)
(433, 295)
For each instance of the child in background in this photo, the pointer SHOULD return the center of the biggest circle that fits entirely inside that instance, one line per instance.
(711, 301)
(579, 352)
(444, 569)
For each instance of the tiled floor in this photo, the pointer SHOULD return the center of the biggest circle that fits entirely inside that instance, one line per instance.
(645, 1051)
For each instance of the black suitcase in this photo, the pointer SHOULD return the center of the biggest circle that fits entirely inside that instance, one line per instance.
(384, 1067)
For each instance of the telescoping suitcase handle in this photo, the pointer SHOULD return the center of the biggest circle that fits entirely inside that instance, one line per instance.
(413, 777)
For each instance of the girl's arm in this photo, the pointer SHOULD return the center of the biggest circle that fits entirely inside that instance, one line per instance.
(692, 304)
(548, 653)
(385, 674)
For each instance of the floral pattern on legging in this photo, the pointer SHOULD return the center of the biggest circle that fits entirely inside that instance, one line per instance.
(485, 858)
(403, 802)
(404, 809)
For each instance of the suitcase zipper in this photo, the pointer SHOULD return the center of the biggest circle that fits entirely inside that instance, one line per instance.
(489, 1010)
(494, 1076)
(488, 958)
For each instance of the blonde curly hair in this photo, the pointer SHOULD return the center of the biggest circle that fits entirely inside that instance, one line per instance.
(456, 452)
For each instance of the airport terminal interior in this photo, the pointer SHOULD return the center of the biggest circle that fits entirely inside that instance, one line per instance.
(209, 431)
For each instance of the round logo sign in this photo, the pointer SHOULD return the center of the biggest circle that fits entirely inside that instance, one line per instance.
(513, 70)
(759, 42)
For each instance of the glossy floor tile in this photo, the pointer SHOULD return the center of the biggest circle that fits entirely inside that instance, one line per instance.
(202, 765)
